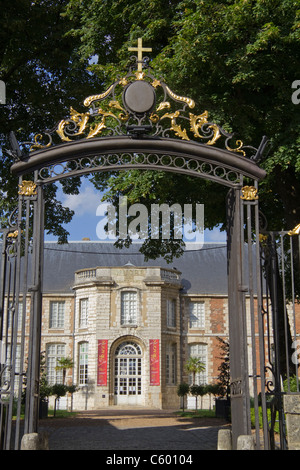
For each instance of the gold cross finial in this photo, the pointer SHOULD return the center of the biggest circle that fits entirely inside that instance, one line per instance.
(140, 49)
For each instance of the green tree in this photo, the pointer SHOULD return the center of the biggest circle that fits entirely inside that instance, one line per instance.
(63, 364)
(45, 388)
(224, 369)
(198, 391)
(237, 59)
(44, 76)
(212, 389)
(182, 390)
(58, 390)
(194, 366)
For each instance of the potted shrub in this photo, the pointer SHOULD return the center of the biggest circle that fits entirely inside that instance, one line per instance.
(182, 390)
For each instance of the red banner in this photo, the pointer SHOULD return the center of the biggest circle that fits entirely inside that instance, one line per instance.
(102, 362)
(154, 362)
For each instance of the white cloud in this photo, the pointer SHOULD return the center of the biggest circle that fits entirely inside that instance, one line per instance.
(84, 203)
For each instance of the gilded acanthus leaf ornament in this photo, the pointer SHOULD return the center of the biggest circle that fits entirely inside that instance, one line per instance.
(174, 126)
(249, 193)
(96, 129)
(197, 122)
(27, 188)
(78, 120)
(295, 231)
(124, 116)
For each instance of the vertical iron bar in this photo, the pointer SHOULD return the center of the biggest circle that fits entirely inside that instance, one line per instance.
(252, 321)
(3, 282)
(9, 276)
(294, 312)
(285, 310)
(3, 420)
(244, 289)
(277, 371)
(261, 332)
(23, 323)
(32, 398)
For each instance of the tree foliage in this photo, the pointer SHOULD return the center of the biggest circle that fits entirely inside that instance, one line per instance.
(236, 58)
(63, 364)
(224, 370)
(194, 366)
(182, 390)
(44, 76)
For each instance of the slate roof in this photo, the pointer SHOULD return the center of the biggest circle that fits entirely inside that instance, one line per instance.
(203, 271)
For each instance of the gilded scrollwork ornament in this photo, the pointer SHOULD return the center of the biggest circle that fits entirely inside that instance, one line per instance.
(197, 123)
(109, 114)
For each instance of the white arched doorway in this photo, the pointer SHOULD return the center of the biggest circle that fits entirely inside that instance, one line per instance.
(128, 374)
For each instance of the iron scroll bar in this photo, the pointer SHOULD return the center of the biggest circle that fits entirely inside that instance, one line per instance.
(12, 339)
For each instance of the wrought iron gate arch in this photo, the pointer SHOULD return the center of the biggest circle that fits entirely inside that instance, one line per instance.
(181, 157)
(139, 150)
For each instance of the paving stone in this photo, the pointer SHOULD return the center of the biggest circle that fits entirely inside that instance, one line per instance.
(130, 430)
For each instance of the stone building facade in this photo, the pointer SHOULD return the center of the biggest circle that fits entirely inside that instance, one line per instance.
(129, 331)
(130, 326)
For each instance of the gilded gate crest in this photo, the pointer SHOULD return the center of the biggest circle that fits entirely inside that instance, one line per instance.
(109, 114)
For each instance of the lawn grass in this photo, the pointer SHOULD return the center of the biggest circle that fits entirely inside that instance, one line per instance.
(196, 413)
(61, 414)
(212, 414)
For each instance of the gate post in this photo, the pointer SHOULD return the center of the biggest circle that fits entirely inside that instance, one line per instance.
(32, 393)
(239, 385)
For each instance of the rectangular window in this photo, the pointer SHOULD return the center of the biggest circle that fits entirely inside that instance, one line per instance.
(83, 313)
(83, 363)
(54, 353)
(200, 351)
(171, 364)
(197, 315)
(57, 314)
(128, 308)
(171, 313)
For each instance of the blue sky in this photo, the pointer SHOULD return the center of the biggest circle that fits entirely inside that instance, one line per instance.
(85, 220)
